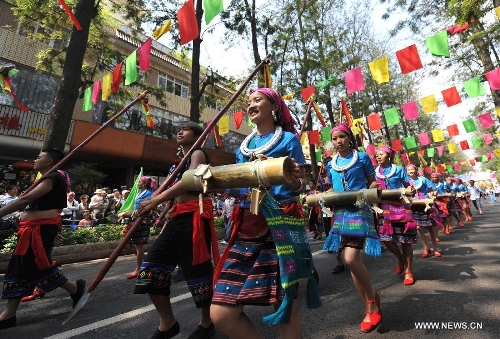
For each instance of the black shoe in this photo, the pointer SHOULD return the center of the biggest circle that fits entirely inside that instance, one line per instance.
(170, 333)
(7, 323)
(315, 235)
(338, 269)
(179, 276)
(203, 332)
(80, 289)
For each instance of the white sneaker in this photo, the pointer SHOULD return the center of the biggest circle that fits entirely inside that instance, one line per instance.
(223, 242)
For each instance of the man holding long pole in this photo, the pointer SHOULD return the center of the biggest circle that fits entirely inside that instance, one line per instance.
(188, 241)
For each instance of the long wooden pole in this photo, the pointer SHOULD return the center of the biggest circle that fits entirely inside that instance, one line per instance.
(308, 113)
(112, 258)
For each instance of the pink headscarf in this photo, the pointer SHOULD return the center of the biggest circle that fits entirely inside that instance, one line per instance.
(345, 128)
(388, 150)
(411, 165)
(434, 175)
(284, 117)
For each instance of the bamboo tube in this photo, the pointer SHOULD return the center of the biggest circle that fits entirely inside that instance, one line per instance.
(267, 172)
(394, 194)
(370, 196)
(422, 202)
(446, 195)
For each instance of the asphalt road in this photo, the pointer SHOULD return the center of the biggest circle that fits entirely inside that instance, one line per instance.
(458, 292)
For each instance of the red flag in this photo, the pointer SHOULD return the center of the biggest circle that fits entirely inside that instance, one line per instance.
(313, 137)
(458, 28)
(452, 130)
(71, 15)
(218, 140)
(96, 89)
(117, 77)
(374, 122)
(7, 86)
(144, 54)
(188, 26)
(464, 145)
(238, 118)
(397, 145)
(307, 92)
(408, 59)
(451, 96)
(346, 112)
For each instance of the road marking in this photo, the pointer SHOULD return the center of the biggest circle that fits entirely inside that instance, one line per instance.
(116, 318)
(122, 317)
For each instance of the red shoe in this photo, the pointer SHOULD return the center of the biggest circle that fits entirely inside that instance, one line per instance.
(437, 254)
(399, 269)
(447, 233)
(36, 295)
(426, 253)
(437, 239)
(133, 275)
(461, 224)
(375, 317)
(451, 228)
(410, 280)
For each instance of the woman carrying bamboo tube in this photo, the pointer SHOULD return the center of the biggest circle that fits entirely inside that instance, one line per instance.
(251, 272)
(353, 227)
(426, 219)
(396, 225)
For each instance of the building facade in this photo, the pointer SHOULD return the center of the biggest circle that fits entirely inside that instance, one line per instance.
(128, 144)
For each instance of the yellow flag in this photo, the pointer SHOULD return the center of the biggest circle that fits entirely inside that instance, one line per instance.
(268, 79)
(303, 139)
(452, 147)
(107, 79)
(288, 97)
(380, 69)
(497, 153)
(498, 134)
(157, 33)
(437, 135)
(429, 104)
(498, 111)
(497, 11)
(224, 125)
(358, 126)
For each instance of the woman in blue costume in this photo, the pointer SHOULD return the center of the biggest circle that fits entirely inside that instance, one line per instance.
(353, 227)
(397, 224)
(424, 218)
(251, 272)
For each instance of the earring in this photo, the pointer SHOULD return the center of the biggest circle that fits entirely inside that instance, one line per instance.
(273, 113)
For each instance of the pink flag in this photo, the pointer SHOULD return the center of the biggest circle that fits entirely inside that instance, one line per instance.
(410, 110)
(488, 138)
(424, 139)
(408, 59)
(451, 96)
(95, 91)
(370, 149)
(440, 150)
(404, 157)
(457, 167)
(494, 79)
(144, 54)
(490, 155)
(354, 80)
(486, 120)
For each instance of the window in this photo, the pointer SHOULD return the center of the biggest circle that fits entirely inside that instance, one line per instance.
(173, 85)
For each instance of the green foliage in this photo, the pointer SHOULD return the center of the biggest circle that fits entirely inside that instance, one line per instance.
(219, 222)
(9, 244)
(92, 234)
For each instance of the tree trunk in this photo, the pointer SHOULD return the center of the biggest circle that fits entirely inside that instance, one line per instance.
(60, 116)
(195, 97)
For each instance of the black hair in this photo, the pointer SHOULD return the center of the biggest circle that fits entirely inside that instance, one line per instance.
(193, 126)
(9, 187)
(54, 153)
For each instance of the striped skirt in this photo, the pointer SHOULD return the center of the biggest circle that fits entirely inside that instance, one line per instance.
(398, 233)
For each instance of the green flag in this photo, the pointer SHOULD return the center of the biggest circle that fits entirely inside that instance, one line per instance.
(483, 158)
(449, 168)
(391, 116)
(473, 87)
(477, 141)
(322, 84)
(212, 8)
(128, 205)
(87, 99)
(410, 142)
(131, 68)
(318, 156)
(438, 44)
(325, 133)
(430, 152)
(469, 125)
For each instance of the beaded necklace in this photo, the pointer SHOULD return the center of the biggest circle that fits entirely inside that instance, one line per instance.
(262, 149)
(379, 173)
(343, 169)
